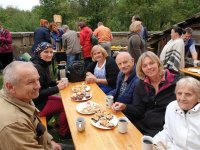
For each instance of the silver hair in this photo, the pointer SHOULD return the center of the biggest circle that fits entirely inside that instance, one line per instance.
(66, 27)
(190, 83)
(9, 72)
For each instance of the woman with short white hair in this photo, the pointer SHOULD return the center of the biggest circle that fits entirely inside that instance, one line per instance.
(182, 123)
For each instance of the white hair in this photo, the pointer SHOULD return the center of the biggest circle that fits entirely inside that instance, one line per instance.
(9, 72)
(189, 82)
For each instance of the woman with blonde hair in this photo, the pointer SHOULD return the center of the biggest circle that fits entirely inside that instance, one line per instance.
(183, 114)
(103, 70)
(136, 44)
(152, 94)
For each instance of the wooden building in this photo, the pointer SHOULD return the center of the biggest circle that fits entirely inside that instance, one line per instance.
(157, 41)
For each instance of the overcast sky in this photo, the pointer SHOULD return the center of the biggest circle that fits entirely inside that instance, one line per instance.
(20, 4)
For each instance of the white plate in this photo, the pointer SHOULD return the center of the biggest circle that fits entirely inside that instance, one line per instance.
(84, 99)
(114, 120)
(87, 88)
(84, 105)
(193, 70)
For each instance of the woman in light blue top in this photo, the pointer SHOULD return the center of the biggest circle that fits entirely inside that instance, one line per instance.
(103, 70)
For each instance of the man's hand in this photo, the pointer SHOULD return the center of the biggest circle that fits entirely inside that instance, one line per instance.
(118, 106)
(56, 146)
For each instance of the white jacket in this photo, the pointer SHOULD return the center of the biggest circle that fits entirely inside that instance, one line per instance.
(181, 130)
(173, 54)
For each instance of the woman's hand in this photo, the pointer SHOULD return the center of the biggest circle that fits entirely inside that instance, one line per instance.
(90, 78)
(116, 107)
(61, 85)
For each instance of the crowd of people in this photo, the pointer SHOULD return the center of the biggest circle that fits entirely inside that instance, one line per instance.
(147, 88)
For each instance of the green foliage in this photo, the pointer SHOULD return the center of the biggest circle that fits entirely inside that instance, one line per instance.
(116, 14)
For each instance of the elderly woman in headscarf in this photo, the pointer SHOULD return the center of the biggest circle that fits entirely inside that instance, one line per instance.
(47, 102)
(181, 129)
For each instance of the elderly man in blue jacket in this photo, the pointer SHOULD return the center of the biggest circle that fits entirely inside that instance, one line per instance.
(126, 81)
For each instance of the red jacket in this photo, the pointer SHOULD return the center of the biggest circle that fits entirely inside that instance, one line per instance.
(85, 41)
(5, 42)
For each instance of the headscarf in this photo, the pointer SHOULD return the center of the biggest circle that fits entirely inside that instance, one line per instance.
(41, 47)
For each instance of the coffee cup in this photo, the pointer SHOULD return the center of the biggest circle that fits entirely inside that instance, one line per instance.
(109, 101)
(147, 143)
(65, 80)
(123, 125)
(80, 124)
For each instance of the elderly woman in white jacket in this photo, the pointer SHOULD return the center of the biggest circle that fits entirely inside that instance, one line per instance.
(182, 120)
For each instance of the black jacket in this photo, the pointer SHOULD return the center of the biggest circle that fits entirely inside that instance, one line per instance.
(48, 87)
(112, 70)
(147, 112)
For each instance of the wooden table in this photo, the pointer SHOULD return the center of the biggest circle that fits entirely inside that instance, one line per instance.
(94, 138)
(185, 70)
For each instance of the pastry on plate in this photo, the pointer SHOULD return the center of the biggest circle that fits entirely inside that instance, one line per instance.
(95, 118)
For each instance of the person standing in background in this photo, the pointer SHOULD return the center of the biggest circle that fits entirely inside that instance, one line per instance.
(6, 49)
(144, 32)
(104, 36)
(136, 45)
(190, 49)
(71, 45)
(41, 34)
(173, 53)
(56, 35)
(85, 34)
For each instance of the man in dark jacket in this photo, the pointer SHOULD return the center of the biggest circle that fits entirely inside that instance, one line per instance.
(41, 34)
(6, 50)
(126, 80)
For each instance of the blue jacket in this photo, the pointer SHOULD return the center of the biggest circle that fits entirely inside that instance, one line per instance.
(41, 34)
(187, 47)
(127, 96)
(57, 38)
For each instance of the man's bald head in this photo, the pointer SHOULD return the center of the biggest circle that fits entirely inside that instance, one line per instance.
(125, 62)
(123, 55)
(21, 80)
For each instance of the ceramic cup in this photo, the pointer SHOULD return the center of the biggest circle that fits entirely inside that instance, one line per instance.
(123, 125)
(65, 80)
(147, 143)
(80, 124)
(109, 101)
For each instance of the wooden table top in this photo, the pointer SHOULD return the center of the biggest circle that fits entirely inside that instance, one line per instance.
(92, 137)
(185, 70)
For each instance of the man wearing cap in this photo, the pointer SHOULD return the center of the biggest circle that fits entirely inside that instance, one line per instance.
(6, 49)
(20, 126)
(71, 45)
